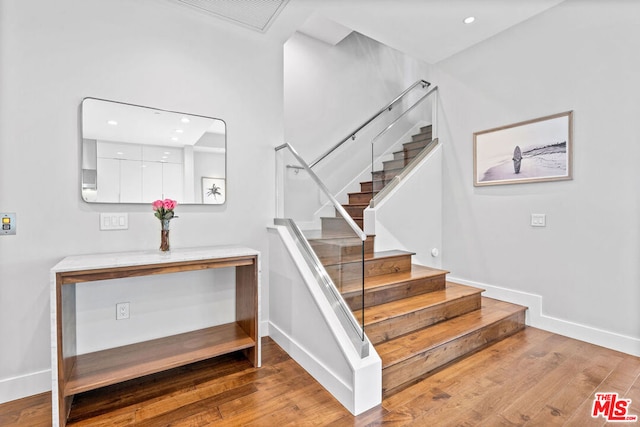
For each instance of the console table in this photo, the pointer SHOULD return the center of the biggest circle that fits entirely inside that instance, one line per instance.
(73, 373)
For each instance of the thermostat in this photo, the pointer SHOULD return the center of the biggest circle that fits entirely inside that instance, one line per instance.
(8, 223)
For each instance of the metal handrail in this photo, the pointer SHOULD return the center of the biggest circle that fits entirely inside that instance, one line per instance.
(419, 101)
(353, 134)
(339, 208)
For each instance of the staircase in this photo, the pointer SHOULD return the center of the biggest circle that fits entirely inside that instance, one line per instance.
(416, 320)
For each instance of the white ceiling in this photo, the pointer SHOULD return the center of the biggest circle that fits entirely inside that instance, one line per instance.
(431, 30)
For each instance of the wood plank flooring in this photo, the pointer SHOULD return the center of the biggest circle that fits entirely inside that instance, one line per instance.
(533, 378)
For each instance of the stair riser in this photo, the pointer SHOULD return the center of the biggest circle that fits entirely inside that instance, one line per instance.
(421, 136)
(375, 267)
(378, 185)
(395, 292)
(403, 158)
(407, 155)
(354, 211)
(332, 226)
(360, 198)
(366, 187)
(402, 374)
(331, 253)
(417, 145)
(372, 186)
(395, 327)
(395, 164)
(385, 175)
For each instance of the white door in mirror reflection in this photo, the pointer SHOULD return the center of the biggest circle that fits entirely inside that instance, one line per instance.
(133, 154)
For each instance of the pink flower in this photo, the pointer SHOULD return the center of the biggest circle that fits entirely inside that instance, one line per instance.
(164, 209)
(169, 204)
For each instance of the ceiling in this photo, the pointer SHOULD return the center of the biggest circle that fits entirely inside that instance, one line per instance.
(255, 14)
(431, 30)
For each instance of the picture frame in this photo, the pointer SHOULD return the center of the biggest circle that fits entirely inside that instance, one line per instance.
(537, 150)
(214, 191)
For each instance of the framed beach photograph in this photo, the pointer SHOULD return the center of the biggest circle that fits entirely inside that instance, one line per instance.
(536, 150)
(213, 191)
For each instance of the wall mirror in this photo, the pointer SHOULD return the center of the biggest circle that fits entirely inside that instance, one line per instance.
(135, 154)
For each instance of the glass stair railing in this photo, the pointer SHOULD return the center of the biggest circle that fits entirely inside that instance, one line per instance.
(329, 240)
(329, 233)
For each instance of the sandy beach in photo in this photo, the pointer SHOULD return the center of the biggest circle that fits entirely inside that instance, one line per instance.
(537, 162)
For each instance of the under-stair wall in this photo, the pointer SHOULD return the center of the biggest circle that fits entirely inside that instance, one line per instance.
(410, 216)
(302, 322)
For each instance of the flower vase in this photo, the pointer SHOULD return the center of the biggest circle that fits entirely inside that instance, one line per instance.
(164, 236)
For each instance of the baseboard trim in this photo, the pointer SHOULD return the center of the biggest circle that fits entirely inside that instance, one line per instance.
(341, 391)
(535, 317)
(25, 385)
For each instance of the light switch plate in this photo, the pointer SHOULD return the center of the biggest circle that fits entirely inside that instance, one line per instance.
(114, 221)
(538, 220)
(8, 224)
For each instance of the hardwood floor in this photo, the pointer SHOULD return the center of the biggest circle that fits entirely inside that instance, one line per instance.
(533, 378)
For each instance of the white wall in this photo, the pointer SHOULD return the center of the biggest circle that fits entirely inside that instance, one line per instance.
(330, 90)
(153, 53)
(580, 56)
(410, 217)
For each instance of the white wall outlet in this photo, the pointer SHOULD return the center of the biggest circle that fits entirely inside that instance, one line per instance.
(122, 310)
(538, 220)
(114, 221)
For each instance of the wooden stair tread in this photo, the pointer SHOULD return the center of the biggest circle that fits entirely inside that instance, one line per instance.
(374, 256)
(336, 239)
(320, 235)
(383, 312)
(362, 192)
(392, 279)
(410, 345)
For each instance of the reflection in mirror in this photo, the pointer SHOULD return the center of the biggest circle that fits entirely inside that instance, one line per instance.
(134, 154)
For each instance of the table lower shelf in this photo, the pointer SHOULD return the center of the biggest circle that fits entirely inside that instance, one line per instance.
(115, 365)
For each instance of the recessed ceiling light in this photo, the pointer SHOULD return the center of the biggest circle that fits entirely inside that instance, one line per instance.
(469, 19)
(173, 138)
(112, 122)
(185, 120)
(119, 153)
(167, 152)
(179, 131)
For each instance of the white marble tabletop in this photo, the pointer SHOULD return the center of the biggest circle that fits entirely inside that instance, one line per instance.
(125, 259)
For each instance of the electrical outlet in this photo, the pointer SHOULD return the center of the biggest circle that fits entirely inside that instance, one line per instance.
(122, 310)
